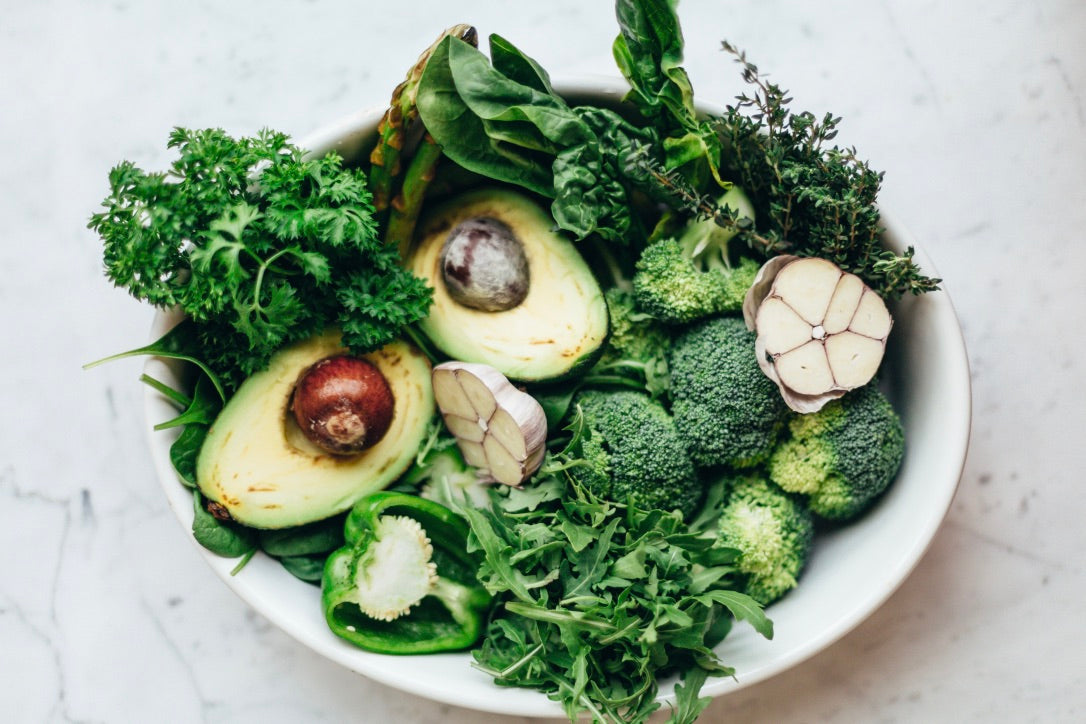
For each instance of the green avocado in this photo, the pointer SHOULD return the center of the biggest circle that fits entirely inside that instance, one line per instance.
(556, 330)
(259, 466)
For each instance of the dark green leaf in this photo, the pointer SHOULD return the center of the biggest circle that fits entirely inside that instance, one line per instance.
(308, 568)
(224, 538)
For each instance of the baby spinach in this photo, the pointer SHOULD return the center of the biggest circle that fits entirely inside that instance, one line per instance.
(221, 537)
(502, 119)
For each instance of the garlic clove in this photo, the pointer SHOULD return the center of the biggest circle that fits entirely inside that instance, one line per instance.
(784, 329)
(806, 369)
(843, 305)
(505, 434)
(853, 358)
(463, 428)
(872, 318)
(808, 285)
(456, 400)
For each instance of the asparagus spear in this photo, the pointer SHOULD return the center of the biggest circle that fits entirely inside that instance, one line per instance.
(396, 124)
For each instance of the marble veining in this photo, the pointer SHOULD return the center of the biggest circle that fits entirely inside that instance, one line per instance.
(976, 111)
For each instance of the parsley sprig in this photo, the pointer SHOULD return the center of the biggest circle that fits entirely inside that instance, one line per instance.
(259, 245)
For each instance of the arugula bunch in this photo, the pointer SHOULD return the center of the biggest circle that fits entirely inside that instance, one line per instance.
(259, 245)
(602, 598)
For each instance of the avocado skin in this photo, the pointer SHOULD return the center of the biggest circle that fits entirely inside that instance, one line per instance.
(557, 332)
(257, 464)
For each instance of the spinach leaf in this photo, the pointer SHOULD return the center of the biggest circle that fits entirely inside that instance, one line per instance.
(649, 52)
(181, 342)
(185, 450)
(307, 568)
(202, 408)
(517, 66)
(313, 538)
(504, 121)
(462, 133)
(221, 537)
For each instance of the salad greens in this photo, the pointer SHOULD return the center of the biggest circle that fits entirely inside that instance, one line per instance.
(596, 596)
(602, 598)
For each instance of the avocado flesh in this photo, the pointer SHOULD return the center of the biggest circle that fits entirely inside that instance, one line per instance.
(560, 326)
(257, 463)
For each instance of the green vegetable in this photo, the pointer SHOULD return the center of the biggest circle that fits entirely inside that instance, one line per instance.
(648, 51)
(636, 348)
(259, 246)
(602, 599)
(685, 279)
(404, 583)
(812, 199)
(628, 450)
(843, 456)
(502, 119)
(772, 532)
(726, 410)
(397, 124)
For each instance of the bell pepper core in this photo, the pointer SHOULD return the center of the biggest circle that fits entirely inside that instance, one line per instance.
(448, 617)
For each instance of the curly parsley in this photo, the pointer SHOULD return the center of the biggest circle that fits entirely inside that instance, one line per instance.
(259, 245)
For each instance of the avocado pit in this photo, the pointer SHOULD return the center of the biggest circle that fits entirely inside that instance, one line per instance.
(484, 266)
(343, 404)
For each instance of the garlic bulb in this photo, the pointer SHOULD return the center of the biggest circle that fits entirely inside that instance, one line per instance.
(821, 331)
(500, 430)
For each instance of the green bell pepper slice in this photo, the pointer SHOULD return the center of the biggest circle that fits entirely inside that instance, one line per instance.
(450, 616)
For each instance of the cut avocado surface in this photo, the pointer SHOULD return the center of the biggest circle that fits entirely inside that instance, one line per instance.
(257, 463)
(558, 328)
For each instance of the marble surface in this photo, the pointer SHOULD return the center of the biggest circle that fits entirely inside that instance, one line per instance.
(977, 112)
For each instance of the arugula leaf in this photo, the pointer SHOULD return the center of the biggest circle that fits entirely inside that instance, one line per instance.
(593, 620)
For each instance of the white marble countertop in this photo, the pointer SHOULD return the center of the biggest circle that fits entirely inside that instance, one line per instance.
(976, 111)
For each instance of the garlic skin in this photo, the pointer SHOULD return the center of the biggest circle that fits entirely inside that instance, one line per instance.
(821, 331)
(499, 429)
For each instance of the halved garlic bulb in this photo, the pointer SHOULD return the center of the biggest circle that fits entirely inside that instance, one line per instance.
(499, 429)
(821, 331)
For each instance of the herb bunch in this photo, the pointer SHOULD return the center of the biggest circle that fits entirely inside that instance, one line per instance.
(813, 199)
(259, 245)
(602, 598)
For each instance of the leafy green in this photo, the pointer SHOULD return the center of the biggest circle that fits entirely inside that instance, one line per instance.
(259, 245)
(221, 537)
(601, 599)
(502, 119)
(812, 199)
(649, 51)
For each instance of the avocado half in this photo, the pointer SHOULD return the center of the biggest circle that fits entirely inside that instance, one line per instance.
(560, 326)
(257, 463)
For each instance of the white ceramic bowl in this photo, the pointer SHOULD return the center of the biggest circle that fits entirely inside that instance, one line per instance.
(852, 571)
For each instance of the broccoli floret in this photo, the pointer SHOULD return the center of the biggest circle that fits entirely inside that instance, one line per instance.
(726, 410)
(637, 346)
(843, 456)
(684, 279)
(632, 452)
(772, 532)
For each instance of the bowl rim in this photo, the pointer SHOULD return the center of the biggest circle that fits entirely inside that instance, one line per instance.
(345, 134)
